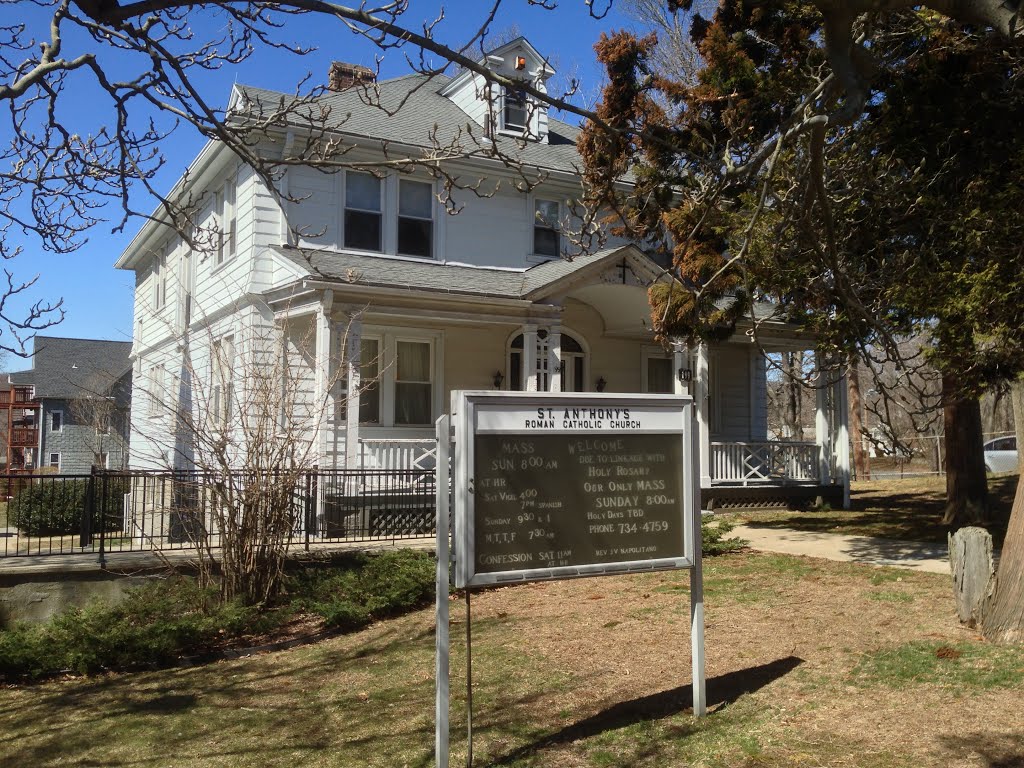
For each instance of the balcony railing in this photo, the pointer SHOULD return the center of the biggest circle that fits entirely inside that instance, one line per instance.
(24, 437)
(767, 463)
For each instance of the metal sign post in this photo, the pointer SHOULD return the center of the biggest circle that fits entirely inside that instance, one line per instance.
(441, 665)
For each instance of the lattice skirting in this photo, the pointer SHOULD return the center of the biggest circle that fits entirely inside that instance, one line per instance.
(771, 497)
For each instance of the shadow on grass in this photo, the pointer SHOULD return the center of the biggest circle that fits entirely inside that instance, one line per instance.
(909, 515)
(724, 689)
(996, 750)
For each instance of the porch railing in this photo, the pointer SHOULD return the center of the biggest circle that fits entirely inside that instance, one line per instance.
(765, 463)
(405, 454)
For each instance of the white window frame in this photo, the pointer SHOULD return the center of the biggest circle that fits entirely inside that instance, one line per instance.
(656, 353)
(529, 110)
(383, 184)
(531, 214)
(157, 383)
(60, 427)
(50, 462)
(225, 219)
(222, 379)
(161, 276)
(387, 339)
(398, 215)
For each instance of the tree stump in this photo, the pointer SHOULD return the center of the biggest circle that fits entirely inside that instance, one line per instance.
(970, 560)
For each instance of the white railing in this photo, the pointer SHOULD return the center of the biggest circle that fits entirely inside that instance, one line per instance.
(400, 454)
(768, 463)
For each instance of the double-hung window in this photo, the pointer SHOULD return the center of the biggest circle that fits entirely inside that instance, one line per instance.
(515, 114)
(369, 381)
(223, 375)
(413, 390)
(362, 211)
(225, 223)
(397, 381)
(56, 421)
(545, 228)
(415, 218)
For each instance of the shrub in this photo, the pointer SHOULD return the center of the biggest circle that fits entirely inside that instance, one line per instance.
(55, 508)
(366, 587)
(712, 536)
(163, 620)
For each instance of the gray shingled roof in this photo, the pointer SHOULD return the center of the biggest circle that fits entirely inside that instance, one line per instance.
(75, 368)
(413, 107)
(389, 272)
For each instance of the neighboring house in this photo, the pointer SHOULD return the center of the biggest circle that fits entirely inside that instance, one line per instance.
(388, 303)
(80, 394)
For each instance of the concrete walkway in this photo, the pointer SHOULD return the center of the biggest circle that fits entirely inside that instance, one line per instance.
(918, 556)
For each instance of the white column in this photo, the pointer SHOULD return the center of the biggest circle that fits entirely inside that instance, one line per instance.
(702, 400)
(353, 340)
(555, 359)
(822, 434)
(840, 399)
(529, 358)
(322, 375)
(680, 360)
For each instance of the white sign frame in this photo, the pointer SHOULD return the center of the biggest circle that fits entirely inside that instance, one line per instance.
(495, 412)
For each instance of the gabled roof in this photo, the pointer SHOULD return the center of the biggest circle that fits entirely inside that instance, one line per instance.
(413, 112)
(458, 279)
(65, 368)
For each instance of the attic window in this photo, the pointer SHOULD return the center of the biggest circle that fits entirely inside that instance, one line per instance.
(515, 116)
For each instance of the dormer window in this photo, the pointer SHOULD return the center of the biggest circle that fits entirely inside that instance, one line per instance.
(515, 116)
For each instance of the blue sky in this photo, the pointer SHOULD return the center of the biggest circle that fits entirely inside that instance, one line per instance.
(98, 298)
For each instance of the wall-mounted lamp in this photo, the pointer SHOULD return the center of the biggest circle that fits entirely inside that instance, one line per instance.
(498, 378)
(685, 375)
(601, 384)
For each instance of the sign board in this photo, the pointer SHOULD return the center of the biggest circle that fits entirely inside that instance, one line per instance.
(556, 485)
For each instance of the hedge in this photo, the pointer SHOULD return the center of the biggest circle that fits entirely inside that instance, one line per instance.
(54, 508)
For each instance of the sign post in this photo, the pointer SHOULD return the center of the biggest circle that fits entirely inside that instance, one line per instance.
(564, 485)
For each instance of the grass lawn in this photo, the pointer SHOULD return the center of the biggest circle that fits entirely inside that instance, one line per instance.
(810, 663)
(904, 509)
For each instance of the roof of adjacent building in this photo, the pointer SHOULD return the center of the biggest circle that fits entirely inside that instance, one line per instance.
(410, 110)
(65, 368)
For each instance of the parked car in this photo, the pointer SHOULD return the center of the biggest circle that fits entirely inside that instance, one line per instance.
(1001, 454)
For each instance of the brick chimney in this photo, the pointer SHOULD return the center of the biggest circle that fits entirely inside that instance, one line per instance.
(343, 76)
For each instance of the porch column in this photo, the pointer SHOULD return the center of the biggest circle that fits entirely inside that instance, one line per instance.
(353, 340)
(840, 400)
(821, 421)
(702, 401)
(321, 385)
(555, 358)
(529, 383)
(680, 360)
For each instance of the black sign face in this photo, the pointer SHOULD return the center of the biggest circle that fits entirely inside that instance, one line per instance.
(563, 500)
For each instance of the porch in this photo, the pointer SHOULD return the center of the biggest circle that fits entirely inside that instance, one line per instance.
(384, 364)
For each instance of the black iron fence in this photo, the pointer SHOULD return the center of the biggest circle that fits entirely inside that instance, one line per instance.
(132, 511)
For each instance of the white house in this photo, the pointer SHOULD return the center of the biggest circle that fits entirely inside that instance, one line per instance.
(402, 302)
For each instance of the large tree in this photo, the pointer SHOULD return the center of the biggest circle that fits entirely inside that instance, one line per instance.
(873, 225)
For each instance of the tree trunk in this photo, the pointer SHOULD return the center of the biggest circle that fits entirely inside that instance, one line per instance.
(1017, 396)
(1002, 619)
(861, 462)
(966, 483)
(793, 393)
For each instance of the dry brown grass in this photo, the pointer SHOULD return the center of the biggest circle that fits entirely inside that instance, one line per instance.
(810, 663)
